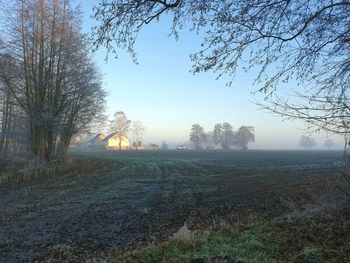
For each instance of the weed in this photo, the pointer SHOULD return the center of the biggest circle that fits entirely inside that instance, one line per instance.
(62, 251)
(308, 254)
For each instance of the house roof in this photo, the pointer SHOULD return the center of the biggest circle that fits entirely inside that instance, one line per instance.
(111, 135)
(97, 137)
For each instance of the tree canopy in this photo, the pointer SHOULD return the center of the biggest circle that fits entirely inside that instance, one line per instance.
(305, 39)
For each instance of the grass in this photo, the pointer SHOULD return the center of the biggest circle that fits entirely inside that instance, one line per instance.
(62, 250)
(309, 254)
(285, 239)
(248, 243)
(321, 238)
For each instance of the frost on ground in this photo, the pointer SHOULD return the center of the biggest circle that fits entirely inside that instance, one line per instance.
(151, 195)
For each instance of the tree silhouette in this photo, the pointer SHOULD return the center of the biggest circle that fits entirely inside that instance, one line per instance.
(307, 142)
(243, 136)
(197, 136)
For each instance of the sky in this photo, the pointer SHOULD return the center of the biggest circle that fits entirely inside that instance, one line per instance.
(161, 92)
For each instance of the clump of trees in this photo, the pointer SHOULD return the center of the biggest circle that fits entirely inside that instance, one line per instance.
(121, 126)
(49, 87)
(222, 136)
(307, 142)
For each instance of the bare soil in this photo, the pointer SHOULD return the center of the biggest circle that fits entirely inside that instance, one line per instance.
(137, 196)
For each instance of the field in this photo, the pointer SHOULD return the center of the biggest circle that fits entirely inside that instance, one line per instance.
(134, 197)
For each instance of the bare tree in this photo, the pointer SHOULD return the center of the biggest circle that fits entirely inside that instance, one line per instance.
(138, 131)
(326, 109)
(304, 38)
(46, 65)
(5, 121)
(120, 126)
(307, 41)
(13, 121)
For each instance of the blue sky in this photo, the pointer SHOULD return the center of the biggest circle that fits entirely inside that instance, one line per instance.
(162, 93)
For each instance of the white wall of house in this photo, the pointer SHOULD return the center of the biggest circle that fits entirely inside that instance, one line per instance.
(114, 142)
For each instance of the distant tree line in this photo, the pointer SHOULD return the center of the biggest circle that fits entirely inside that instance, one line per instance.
(50, 90)
(222, 136)
(307, 142)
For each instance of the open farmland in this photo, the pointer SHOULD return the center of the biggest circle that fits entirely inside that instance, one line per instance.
(141, 195)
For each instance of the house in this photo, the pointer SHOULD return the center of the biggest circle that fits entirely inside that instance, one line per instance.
(116, 141)
(96, 140)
